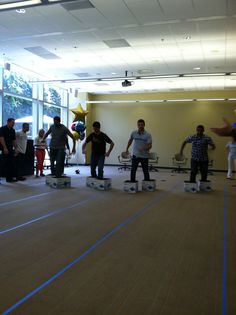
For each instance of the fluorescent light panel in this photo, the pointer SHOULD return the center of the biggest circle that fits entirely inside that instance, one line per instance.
(15, 5)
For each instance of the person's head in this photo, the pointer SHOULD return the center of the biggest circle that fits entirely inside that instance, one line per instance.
(41, 133)
(57, 121)
(96, 126)
(25, 127)
(200, 130)
(141, 125)
(10, 122)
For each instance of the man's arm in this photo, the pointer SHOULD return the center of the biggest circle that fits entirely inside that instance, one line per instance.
(74, 142)
(224, 131)
(212, 145)
(2, 141)
(182, 147)
(110, 149)
(47, 133)
(128, 145)
(87, 140)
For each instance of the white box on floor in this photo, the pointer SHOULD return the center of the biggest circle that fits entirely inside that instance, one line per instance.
(190, 187)
(149, 185)
(130, 187)
(60, 182)
(90, 181)
(100, 184)
(204, 186)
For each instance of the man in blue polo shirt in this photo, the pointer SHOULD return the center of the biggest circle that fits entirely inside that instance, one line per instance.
(142, 144)
(199, 158)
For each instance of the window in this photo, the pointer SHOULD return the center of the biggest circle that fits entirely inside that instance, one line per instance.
(18, 108)
(16, 83)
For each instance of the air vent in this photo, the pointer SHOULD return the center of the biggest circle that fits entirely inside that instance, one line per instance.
(116, 43)
(42, 52)
(77, 5)
(82, 74)
(101, 84)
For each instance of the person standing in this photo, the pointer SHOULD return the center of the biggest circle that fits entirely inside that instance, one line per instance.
(40, 145)
(142, 144)
(57, 145)
(231, 147)
(20, 149)
(99, 140)
(7, 145)
(199, 158)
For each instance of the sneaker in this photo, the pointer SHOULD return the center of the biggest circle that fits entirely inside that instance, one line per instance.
(11, 180)
(42, 175)
(36, 176)
(21, 178)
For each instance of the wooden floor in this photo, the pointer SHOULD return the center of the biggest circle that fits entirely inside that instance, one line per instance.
(78, 251)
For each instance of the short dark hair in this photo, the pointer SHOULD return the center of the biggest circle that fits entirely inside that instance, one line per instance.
(141, 121)
(57, 118)
(10, 119)
(97, 124)
(201, 126)
(25, 124)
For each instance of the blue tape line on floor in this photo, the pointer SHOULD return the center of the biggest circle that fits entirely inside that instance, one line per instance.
(88, 251)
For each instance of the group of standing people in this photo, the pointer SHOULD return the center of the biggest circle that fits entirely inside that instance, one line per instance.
(13, 147)
(142, 143)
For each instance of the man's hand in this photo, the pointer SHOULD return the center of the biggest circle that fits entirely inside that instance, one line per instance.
(223, 131)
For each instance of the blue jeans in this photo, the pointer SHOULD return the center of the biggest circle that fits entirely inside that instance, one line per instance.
(144, 164)
(203, 167)
(97, 161)
(58, 156)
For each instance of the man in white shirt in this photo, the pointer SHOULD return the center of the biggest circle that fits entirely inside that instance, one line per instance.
(142, 144)
(21, 144)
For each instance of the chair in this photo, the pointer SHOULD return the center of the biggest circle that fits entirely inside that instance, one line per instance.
(179, 161)
(125, 161)
(152, 162)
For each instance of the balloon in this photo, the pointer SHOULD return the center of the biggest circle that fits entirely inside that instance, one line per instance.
(76, 135)
(80, 126)
(73, 126)
(79, 113)
(82, 136)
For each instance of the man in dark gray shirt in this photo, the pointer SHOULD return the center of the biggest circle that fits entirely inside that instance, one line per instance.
(57, 146)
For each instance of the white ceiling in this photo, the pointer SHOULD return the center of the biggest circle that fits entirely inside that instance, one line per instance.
(164, 37)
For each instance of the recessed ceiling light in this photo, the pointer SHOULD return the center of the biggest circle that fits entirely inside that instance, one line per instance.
(187, 37)
(21, 11)
(113, 73)
(196, 68)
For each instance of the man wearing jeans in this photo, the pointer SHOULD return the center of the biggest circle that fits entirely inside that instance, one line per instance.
(58, 142)
(199, 157)
(142, 144)
(99, 140)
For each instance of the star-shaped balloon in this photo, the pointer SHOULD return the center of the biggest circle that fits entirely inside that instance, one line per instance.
(79, 113)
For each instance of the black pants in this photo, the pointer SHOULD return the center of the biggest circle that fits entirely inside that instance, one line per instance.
(97, 161)
(144, 164)
(202, 166)
(20, 165)
(58, 156)
(8, 165)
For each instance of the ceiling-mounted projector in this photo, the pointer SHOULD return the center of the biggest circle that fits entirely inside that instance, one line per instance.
(126, 83)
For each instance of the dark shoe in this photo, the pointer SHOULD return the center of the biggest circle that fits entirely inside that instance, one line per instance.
(21, 178)
(11, 180)
(42, 175)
